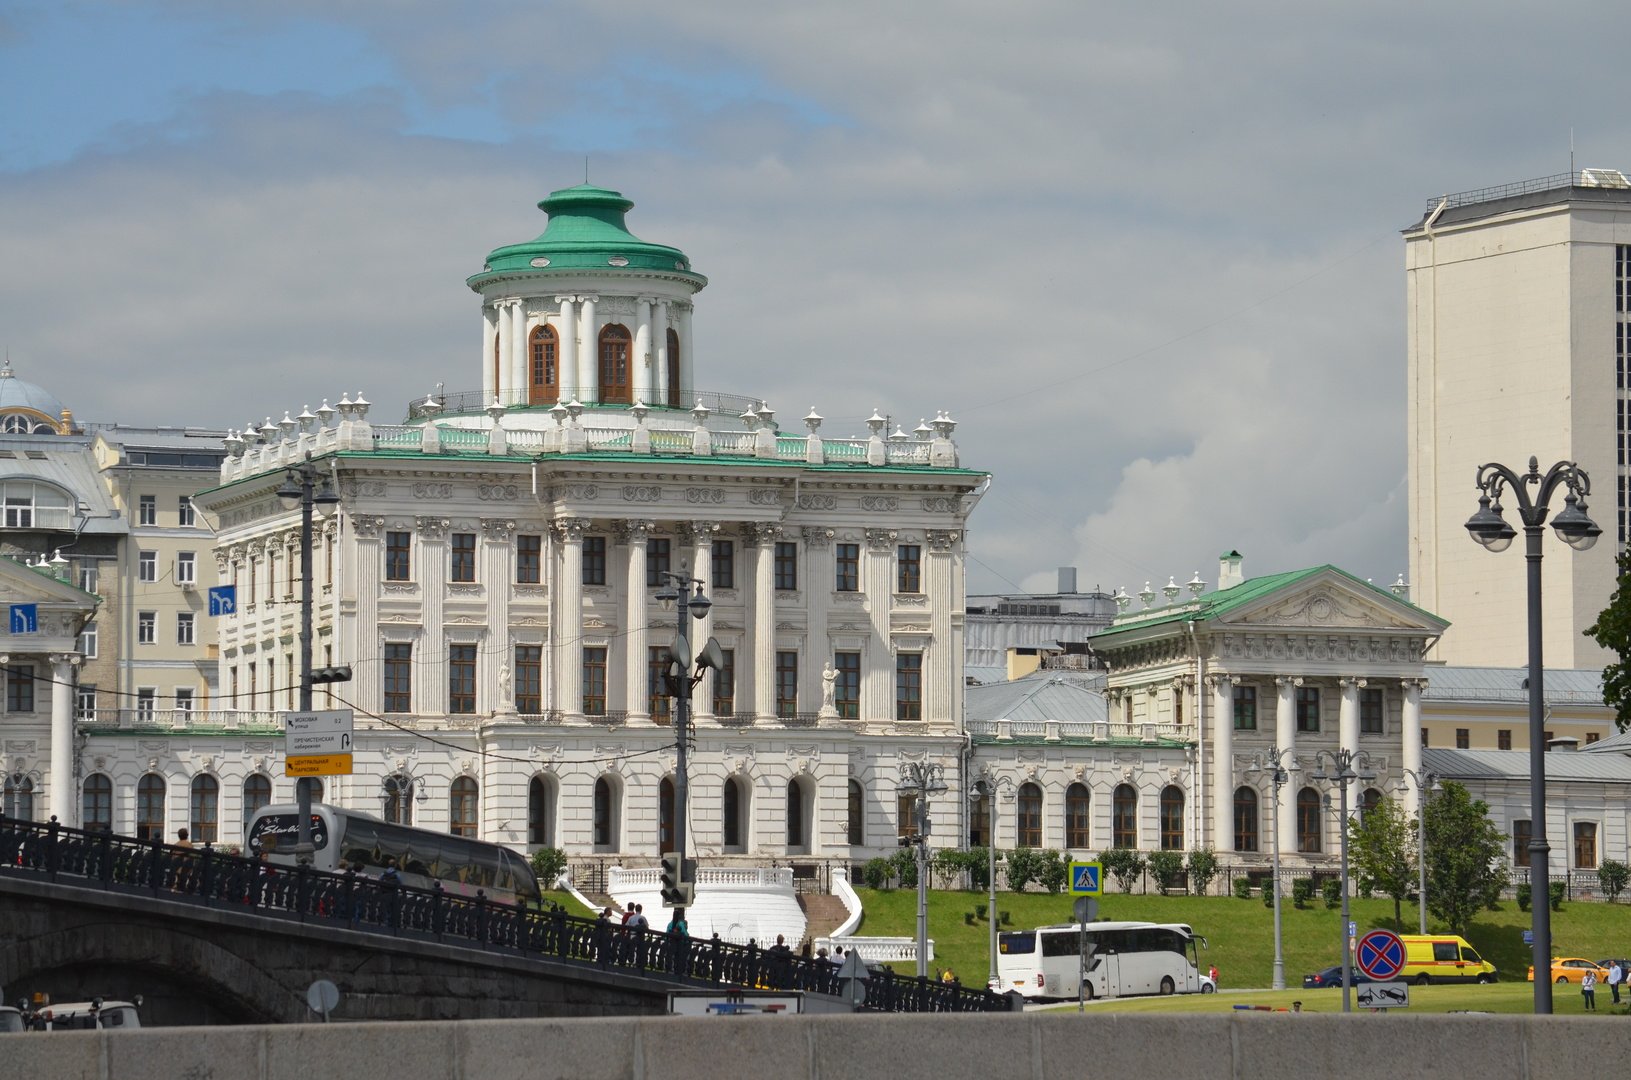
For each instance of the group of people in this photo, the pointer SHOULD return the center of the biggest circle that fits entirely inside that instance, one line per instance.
(1616, 978)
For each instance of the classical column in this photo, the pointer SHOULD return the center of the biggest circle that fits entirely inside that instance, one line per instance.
(659, 342)
(634, 637)
(430, 653)
(816, 575)
(764, 619)
(489, 352)
(1348, 714)
(687, 347)
(1223, 761)
(518, 351)
(641, 377)
(568, 356)
(702, 568)
(1285, 738)
(568, 596)
(364, 564)
(497, 574)
(62, 739)
(1411, 734)
(588, 352)
(878, 662)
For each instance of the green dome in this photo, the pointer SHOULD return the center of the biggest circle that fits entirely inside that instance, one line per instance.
(585, 233)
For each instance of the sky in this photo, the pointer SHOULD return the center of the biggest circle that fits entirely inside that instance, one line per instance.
(1147, 255)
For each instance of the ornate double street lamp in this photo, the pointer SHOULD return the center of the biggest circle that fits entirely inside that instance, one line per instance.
(1279, 764)
(1343, 767)
(921, 779)
(304, 486)
(1577, 530)
(1423, 781)
(985, 788)
(677, 590)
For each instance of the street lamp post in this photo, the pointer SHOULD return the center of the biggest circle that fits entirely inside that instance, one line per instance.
(309, 490)
(678, 589)
(924, 778)
(1577, 530)
(1423, 781)
(1343, 767)
(1279, 764)
(986, 788)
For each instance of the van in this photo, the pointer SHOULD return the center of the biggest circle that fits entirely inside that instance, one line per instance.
(1443, 958)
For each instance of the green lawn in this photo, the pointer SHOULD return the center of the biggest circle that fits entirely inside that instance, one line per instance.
(1508, 997)
(1241, 932)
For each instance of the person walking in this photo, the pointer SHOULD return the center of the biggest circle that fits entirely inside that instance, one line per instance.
(1588, 990)
(1616, 976)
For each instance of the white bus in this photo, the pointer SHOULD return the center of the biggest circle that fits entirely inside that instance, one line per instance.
(1128, 958)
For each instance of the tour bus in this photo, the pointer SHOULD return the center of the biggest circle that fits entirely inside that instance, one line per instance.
(1127, 958)
(461, 864)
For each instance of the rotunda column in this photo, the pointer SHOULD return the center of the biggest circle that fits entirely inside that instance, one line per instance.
(568, 359)
(589, 353)
(1223, 761)
(1285, 738)
(637, 533)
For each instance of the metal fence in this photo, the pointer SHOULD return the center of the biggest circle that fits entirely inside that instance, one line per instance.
(350, 901)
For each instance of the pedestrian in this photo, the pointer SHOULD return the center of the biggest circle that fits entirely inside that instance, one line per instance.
(389, 878)
(1212, 974)
(679, 943)
(1616, 976)
(1588, 990)
(181, 839)
(947, 977)
(182, 879)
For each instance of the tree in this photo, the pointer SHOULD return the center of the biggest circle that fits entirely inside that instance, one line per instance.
(548, 864)
(1613, 875)
(1612, 631)
(1466, 864)
(1203, 867)
(1165, 866)
(1382, 850)
(1124, 864)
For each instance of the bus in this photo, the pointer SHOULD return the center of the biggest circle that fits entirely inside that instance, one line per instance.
(461, 864)
(1128, 958)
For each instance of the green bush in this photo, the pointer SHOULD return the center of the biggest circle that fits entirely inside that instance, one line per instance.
(968, 918)
(1524, 896)
(905, 867)
(1243, 888)
(1023, 865)
(1268, 893)
(1331, 893)
(1052, 870)
(1614, 876)
(876, 874)
(1165, 867)
(1556, 890)
(1202, 865)
(1125, 864)
(979, 911)
(1302, 892)
(548, 863)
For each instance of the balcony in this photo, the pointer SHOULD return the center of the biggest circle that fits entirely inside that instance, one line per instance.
(179, 721)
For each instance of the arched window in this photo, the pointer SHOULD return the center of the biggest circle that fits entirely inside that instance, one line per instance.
(1028, 819)
(1172, 818)
(1124, 817)
(1368, 801)
(257, 793)
(1246, 819)
(540, 813)
(1078, 819)
(399, 799)
(979, 822)
(544, 367)
(98, 802)
(734, 813)
(665, 816)
(1308, 820)
(605, 816)
(614, 364)
(19, 801)
(205, 817)
(150, 807)
(799, 813)
(856, 830)
(674, 398)
(28, 505)
(462, 808)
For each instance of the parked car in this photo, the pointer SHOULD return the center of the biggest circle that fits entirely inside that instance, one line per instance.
(1332, 976)
(1570, 969)
(1625, 966)
(1207, 985)
(11, 1019)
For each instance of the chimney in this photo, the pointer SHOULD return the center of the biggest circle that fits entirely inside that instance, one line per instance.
(1067, 579)
(1230, 571)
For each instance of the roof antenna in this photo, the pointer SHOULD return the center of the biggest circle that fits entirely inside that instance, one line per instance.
(1571, 157)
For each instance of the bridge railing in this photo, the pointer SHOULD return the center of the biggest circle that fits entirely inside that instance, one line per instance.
(352, 901)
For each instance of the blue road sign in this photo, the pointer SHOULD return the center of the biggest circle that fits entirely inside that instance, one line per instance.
(223, 600)
(25, 618)
(1086, 878)
(1380, 955)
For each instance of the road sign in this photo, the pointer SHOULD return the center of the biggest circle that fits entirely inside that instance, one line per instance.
(324, 732)
(1382, 995)
(1380, 955)
(318, 765)
(1353, 929)
(1086, 879)
(1086, 909)
(25, 618)
(224, 600)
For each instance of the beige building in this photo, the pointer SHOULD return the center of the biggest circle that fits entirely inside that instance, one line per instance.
(1517, 303)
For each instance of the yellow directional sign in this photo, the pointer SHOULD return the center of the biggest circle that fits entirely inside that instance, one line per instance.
(318, 765)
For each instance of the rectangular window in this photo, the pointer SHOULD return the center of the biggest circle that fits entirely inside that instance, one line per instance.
(1245, 708)
(87, 576)
(146, 701)
(147, 510)
(787, 683)
(594, 681)
(87, 642)
(184, 699)
(529, 679)
(1585, 845)
(724, 564)
(725, 684)
(85, 702)
(1424, 738)
(1503, 739)
(659, 552)
(184, 628)
(529, 559)
(657, 663)
(787, 566)
(397, 547)
(187, 568)
(846, 690)
(1522, 833)
(147, 566)
(20, 688)
(146, 626)
(463, 549)
(1463, 738)
(594, 560)
(1592, 736)
(908, 568)
(847, 568)
(909, 686)
(1372, 711)
(185, 514)
(905, 816)
(398, 677)
(461, 679)
(1308, 708)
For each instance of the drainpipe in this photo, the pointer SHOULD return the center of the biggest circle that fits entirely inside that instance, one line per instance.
(1199, 782)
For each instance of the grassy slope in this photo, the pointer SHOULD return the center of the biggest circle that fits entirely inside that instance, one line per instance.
(1241, 932)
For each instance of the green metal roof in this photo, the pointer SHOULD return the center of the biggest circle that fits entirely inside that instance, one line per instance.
(585, 232)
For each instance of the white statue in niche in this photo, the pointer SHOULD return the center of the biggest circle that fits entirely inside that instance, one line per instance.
(829, 680)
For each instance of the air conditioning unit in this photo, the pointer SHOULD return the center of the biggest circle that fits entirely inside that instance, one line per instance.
(188, 586)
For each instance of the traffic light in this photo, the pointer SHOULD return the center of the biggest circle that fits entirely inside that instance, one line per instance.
(671, 879)
(338, 673)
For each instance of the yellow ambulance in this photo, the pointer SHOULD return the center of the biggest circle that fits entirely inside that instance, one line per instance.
(1443, 958)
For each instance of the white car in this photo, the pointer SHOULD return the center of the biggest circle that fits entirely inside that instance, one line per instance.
(1208, 985)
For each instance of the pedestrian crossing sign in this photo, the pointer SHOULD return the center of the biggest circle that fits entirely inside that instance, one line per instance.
(1086, 878)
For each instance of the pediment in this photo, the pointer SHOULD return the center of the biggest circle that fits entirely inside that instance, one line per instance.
(1334, 603)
